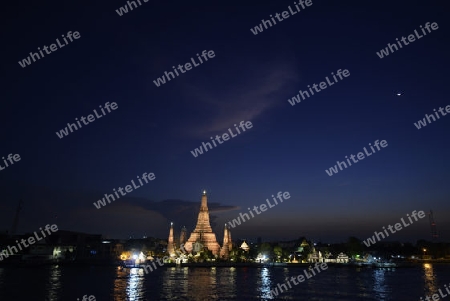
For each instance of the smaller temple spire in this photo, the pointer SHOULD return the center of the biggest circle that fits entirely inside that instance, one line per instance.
(224, 252)
(170, 246)
(183, 235)
(230, 243)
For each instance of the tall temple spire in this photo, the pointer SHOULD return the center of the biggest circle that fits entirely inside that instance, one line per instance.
(203, 224)
(203, 231)
(170, 246)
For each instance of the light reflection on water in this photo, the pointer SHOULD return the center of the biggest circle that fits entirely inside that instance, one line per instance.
(120, 284)
(264, 283)
(226, 281)
(380, 286)
(202, 285)
(135, 287)
(55, 283)
(53, 286)
(129, 284)
(430, 279)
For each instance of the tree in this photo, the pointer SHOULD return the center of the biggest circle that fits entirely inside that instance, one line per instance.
(266, 249)
(354, 246)
(278, 251)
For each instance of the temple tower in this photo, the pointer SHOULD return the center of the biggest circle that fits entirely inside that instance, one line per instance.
(224, 251)
(203, 232)
(183, 235)
(170, 246)
(230, 243)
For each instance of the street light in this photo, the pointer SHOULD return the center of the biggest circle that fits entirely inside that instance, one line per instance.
(424, 252)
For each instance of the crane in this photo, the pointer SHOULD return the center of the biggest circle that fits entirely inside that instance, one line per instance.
(434, 233)
(16, 218)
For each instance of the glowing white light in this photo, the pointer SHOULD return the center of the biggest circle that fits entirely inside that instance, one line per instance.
(135, 257)
(399, 94)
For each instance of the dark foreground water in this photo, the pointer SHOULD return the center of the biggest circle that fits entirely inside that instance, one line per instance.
(206, 284)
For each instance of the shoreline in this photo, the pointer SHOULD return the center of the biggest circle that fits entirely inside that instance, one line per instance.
(32, 263)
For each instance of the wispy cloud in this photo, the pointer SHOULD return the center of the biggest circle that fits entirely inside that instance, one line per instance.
(262, 89)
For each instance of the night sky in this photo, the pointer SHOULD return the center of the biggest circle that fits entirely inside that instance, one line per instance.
(154, 129)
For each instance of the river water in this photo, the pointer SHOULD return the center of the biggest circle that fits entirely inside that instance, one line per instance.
(53, 283)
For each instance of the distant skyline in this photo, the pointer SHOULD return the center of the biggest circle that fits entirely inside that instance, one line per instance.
(250, 78)
(127, 217)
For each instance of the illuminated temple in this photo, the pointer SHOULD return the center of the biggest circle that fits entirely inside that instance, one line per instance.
(203, 236)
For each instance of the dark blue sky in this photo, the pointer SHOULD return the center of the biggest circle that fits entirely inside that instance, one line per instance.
(250, 78)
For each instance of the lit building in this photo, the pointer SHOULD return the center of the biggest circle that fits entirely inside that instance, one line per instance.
(244, 246)
(202, 233)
